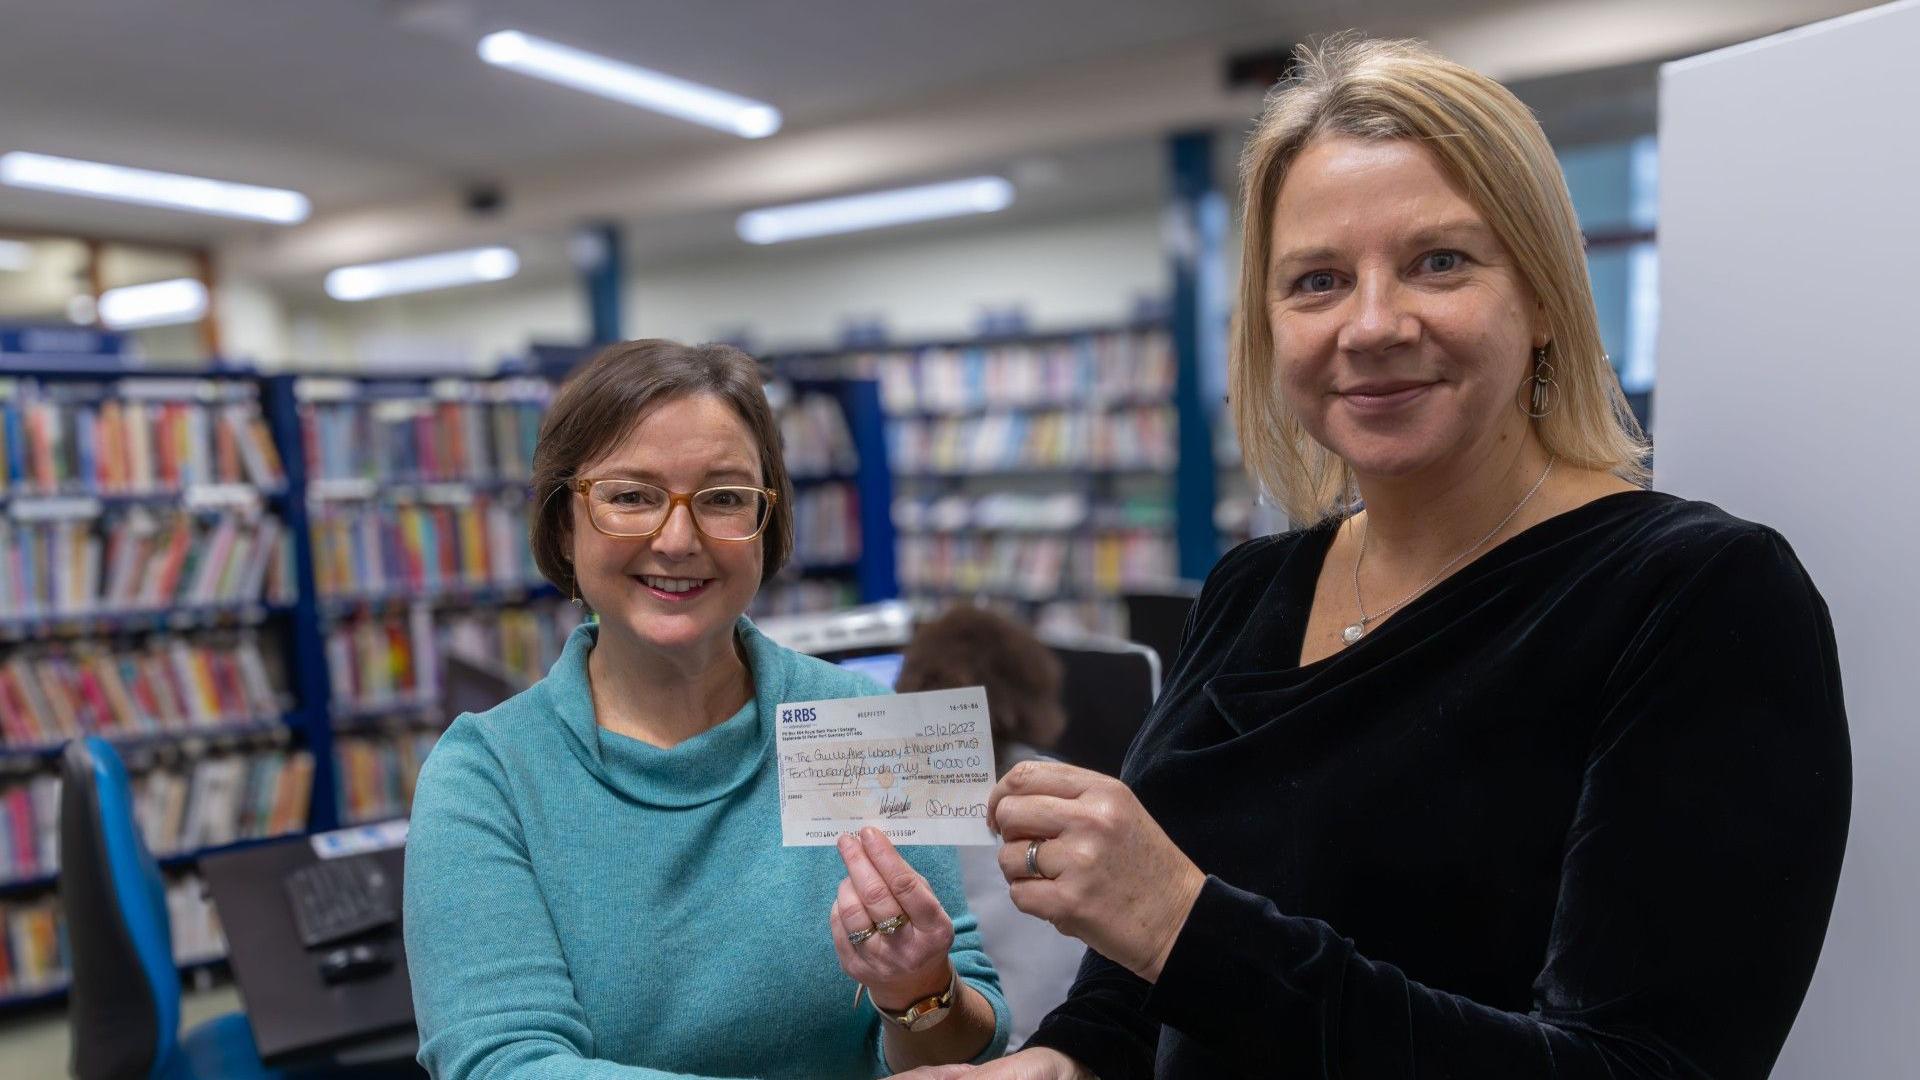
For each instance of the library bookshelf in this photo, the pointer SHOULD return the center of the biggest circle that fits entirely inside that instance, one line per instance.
(247, 582)
(1031, 472)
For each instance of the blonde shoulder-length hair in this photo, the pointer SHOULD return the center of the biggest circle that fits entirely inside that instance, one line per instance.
(1493, 148)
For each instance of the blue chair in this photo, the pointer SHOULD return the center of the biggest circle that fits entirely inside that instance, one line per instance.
(125, 1000)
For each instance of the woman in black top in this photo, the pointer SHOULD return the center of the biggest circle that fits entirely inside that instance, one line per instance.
(1519, 771)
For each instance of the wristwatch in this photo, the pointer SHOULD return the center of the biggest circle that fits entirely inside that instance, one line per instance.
(924, 1013)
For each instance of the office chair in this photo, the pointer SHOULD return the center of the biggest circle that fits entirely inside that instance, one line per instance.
(1157, 616)
(1107, 685)
(125, 998)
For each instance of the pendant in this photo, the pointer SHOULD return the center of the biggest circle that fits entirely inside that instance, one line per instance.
(1353, 633)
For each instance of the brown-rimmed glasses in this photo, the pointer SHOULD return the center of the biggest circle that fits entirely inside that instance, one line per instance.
(636, 510)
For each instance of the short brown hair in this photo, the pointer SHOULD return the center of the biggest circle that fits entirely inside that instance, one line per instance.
(1487, 142)
(970, 646)
(602, 402)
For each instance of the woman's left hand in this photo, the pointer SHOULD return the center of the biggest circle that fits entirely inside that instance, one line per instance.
(1109, 875)
(904, 966)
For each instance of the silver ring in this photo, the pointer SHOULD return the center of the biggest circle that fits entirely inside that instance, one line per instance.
(859, 937)
(1033, 859)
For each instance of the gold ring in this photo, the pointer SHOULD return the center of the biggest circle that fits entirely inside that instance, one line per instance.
(858, 937)
(892, 925)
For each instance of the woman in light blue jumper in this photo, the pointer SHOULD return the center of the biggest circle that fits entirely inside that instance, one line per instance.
(595, 883)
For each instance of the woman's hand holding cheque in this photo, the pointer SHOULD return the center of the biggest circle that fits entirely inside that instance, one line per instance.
(889, 930)
(1081, 852)
(895, 939)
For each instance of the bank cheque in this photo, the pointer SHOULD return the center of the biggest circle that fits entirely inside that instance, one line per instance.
(918, 767)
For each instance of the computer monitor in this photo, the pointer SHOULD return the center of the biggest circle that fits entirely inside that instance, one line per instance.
(882, 667)
(474, 685)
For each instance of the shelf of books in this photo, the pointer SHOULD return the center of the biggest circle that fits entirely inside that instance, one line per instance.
(414, 495)
(1031, 473)
(147, 584)
(1240, 511)
(833, 434)
(250, 584)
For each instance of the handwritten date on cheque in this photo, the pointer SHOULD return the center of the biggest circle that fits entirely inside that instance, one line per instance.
(918, 767)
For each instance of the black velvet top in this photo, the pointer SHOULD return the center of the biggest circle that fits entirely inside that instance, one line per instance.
(1578, 811)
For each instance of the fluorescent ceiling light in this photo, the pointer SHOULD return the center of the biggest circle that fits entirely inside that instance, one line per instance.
(163, 303)
(640, 86)
(15, 255)
(170, 190)
(874, 210)
(442, 271)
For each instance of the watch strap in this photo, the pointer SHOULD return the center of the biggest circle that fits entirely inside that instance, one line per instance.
(926, 1012)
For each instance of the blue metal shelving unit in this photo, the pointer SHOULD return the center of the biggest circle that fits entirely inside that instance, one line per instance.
(41, 627)
(872, 482)
(1096, 482)
(307, 651)
(311, 721)
(873, 486)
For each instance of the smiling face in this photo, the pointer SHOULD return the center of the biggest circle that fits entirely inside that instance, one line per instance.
(1401, 330)
(678, 592)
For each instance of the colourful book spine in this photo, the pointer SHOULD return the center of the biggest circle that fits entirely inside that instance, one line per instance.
(446, 550)
(86, 459)
(226, 451)
(13, 726)
(112, 444)
(179, 543)
(473, 545)
(100, 709)
(140, 684)
(139, 423)
(414, 546)
(63, 721)
(40, 446)
(8, 425)
(20, 831)
(107, 671)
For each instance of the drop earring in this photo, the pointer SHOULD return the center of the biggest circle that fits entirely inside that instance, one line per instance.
(1540, 390)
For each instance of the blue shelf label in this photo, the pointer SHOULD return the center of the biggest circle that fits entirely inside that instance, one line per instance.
(360, 839)
(60, 341)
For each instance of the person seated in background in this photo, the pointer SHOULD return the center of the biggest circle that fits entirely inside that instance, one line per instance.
(1503, 766)
(595, 883)
(970, 646)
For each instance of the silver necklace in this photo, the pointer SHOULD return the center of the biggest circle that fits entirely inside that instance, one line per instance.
(1358, 630)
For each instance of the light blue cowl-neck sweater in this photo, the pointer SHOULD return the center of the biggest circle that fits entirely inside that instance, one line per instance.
(580, 904)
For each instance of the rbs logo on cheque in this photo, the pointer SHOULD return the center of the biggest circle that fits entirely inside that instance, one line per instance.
(796, 714)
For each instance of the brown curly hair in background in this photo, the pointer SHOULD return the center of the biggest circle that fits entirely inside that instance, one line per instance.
(970, 646)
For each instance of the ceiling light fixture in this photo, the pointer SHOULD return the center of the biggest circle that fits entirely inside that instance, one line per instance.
(627, 83)
(875, 210)
(172, 191)
(443, 271)
(162, 303)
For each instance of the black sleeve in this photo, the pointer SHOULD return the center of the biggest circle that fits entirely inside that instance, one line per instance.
(1103, 1023)
(1695, 887)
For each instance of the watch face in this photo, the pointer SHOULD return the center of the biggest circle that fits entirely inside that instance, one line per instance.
(921, 1021)
(926, 1012)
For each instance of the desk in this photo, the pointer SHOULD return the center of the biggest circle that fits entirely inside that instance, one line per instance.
(296, 1016)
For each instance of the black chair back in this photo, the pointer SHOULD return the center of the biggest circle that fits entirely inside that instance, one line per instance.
(1107, 686)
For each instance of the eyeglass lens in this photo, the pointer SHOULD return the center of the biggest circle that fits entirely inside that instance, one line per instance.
(632, 508)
